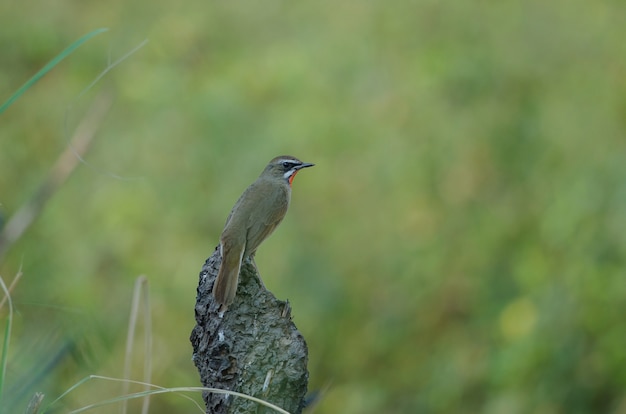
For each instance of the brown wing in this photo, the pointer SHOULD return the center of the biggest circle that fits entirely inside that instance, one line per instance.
(267, 214)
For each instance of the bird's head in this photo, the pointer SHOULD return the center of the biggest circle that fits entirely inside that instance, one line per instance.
(285, 167)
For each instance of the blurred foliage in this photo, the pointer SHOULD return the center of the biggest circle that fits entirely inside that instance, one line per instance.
(459, 247)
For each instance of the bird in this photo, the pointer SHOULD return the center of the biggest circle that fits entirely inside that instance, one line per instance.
(256, 214)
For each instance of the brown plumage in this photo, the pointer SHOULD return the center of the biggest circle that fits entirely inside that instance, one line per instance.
(254, 217)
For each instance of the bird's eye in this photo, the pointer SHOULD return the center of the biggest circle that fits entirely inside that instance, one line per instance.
(287, 164)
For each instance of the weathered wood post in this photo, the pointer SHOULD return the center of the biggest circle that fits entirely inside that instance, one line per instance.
(253, 348)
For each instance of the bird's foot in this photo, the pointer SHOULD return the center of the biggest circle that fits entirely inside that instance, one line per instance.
(256, 268)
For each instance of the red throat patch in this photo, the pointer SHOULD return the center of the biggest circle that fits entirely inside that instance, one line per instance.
(292, 176)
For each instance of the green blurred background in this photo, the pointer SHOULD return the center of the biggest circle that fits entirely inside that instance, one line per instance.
(459, 247)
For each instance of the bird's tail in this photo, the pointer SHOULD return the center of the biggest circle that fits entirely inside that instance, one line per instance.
(225, 286)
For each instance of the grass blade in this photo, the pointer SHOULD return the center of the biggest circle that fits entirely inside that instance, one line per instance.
(7, 338)
(58, 58)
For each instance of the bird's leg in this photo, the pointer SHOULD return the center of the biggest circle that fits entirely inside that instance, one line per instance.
(251, 259)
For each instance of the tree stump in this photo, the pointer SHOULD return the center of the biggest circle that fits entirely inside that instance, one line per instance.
(253, 348)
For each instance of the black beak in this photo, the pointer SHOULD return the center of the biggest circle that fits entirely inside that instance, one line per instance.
(304, 165)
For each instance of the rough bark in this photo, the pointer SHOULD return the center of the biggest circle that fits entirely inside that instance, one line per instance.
(253, 348)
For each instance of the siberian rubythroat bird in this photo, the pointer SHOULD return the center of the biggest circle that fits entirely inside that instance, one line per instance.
(254, 217)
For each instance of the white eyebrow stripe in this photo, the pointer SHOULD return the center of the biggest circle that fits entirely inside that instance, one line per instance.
(291, 160)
